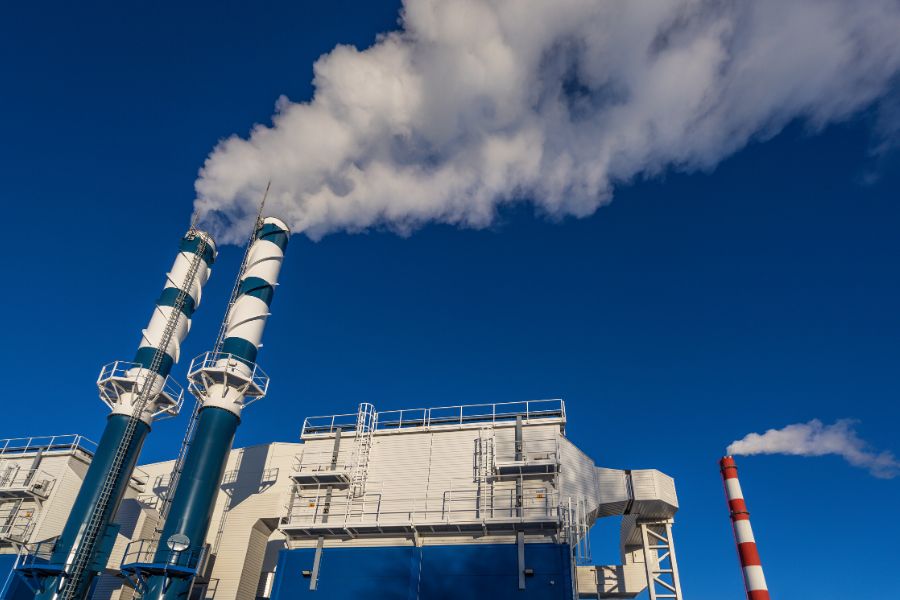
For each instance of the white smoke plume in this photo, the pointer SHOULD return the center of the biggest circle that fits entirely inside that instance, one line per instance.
(476, 104)
(816, 439)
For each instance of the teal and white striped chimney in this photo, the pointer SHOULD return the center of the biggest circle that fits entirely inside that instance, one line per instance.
(225, 381)
(137, 393)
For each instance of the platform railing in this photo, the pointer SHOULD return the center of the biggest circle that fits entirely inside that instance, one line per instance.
(121, 379)
(266, 476)
(544, 448)
(140, 479)
(145, 552)
(449, 506)
(498, 412)
(33, 481)
(220, 367)
(23, 446)
(35, 556)
(17, 530)
(318, 461)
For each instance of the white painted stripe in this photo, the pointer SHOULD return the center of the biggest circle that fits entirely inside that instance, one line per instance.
(733, 489)
(753, 575)
(743, 532)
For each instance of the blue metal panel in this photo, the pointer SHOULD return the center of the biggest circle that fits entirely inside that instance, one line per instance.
(258, 288)
(144, 357)
(12, 587)
(475, 571)
(192, 245)
(169, 296)
(240, 348)
(273, 233)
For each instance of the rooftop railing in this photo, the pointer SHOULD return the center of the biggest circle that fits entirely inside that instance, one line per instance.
(498, 412)
(13, 447)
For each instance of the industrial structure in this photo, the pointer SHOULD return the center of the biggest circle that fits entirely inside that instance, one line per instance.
(479, 501)
(751, 566)
(137, 393)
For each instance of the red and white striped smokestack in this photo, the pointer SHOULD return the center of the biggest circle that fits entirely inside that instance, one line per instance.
(754, 580)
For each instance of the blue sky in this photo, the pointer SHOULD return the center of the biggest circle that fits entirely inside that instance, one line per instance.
(694, 309)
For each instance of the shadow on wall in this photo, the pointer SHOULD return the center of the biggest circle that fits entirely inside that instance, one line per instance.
(249, 476)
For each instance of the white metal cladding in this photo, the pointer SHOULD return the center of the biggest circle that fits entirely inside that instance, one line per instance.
(247, 317)
(176, 278)
(423, 474)
(578, 475)
(225, 381)
(654, 494)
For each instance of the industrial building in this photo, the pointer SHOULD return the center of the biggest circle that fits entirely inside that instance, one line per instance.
(395, 502)
(470, 501)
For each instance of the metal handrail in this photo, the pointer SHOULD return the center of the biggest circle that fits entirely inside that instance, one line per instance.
(119, 377)
(229, 365)
(533, 448)
(146, 552)
(498, 412)
(14, 477)
(448, 506)
(18, 528)
(322, 461)
(48, 443)
(140, 478)
(265, 476)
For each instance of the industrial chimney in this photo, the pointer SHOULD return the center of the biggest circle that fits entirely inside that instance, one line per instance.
(137, 393)
(754, 581)
(224, 381)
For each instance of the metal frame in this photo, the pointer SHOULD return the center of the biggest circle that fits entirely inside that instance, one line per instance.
(16, 482)
(659, 559)
(65, 443)
(211, 368)
(15, 527)
(537, 457)
(139, 563)
(464, 414)
(459, 510)
(33, 564)
(121, 377)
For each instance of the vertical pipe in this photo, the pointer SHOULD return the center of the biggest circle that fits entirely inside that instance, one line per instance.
(222, 403)
(329, 491)
(754, 580)
(90, 503)
(518, 457)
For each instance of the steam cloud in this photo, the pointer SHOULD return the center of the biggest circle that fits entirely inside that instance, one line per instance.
(816, 439)
(475, 104)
